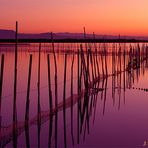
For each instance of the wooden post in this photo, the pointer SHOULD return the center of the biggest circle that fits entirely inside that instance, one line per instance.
(105, 60)
(102, 63)
(56, 92)
(1, 81)
(84, 65)
(105, 96)
(96, 53)
(95, 66)
(39, 108)
(55, 64)
(64, 100)
(92, 66)
(80, 78)
(78, 71)
(146, 53)
(113, 73)
(1, 84)
(94, 56)
(28, 90)
(87, 72)
(15, 75)
(49, 83)
(15, 88)
(124, 71)
(85, 39)
(124, 58)
(72, 99)
(78, 91)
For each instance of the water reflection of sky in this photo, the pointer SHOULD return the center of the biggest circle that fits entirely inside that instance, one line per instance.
(119, 121)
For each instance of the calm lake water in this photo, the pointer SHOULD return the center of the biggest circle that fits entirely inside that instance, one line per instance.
(114, 116)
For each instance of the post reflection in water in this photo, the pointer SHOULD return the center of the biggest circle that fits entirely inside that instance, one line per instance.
(96, 80)
(27, 136)
(72, 134)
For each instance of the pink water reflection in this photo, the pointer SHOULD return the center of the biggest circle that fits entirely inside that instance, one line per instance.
(119, 121)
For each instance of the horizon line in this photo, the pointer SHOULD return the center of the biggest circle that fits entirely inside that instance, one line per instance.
(99, 34)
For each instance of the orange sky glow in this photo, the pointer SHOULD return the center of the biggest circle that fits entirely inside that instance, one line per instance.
(125, 17)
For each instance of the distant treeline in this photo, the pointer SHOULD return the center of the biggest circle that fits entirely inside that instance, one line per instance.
(72, 40)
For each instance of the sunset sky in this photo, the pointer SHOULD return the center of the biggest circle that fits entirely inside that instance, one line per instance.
(125, 17)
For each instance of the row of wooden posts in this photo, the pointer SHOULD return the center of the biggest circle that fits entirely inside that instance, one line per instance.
(83, 71)
(91, 60)
(88, 70)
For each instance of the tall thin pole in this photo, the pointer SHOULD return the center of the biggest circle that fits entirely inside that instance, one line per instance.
(64, 105)
(56, 91)
(85, 39)
(15, 87)
(1, 84)
(39, 107)
(39, 79)
(78, 84)
(15, 74)
(1, 80)
(49, 82)
(28, 90)
(72, 99)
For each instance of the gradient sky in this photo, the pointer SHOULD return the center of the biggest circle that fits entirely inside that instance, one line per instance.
(125, 17)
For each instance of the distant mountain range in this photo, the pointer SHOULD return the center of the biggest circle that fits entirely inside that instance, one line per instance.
(10, 34)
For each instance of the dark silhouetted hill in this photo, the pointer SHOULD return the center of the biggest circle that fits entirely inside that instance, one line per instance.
(10, 34)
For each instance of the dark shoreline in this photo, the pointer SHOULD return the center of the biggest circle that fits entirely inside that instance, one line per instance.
(74, 41)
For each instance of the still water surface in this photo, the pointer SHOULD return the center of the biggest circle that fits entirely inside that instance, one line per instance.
(113, 117)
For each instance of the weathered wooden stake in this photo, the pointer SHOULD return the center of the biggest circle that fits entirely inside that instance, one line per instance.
(72, 99)
(64, 100)
(78, 91)
(39, 63)
(28, 90)
(15, 75)
(105, 60)
(1, 84)
(49, 83)
(96, 53)
(1, 81)
(56, 92)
